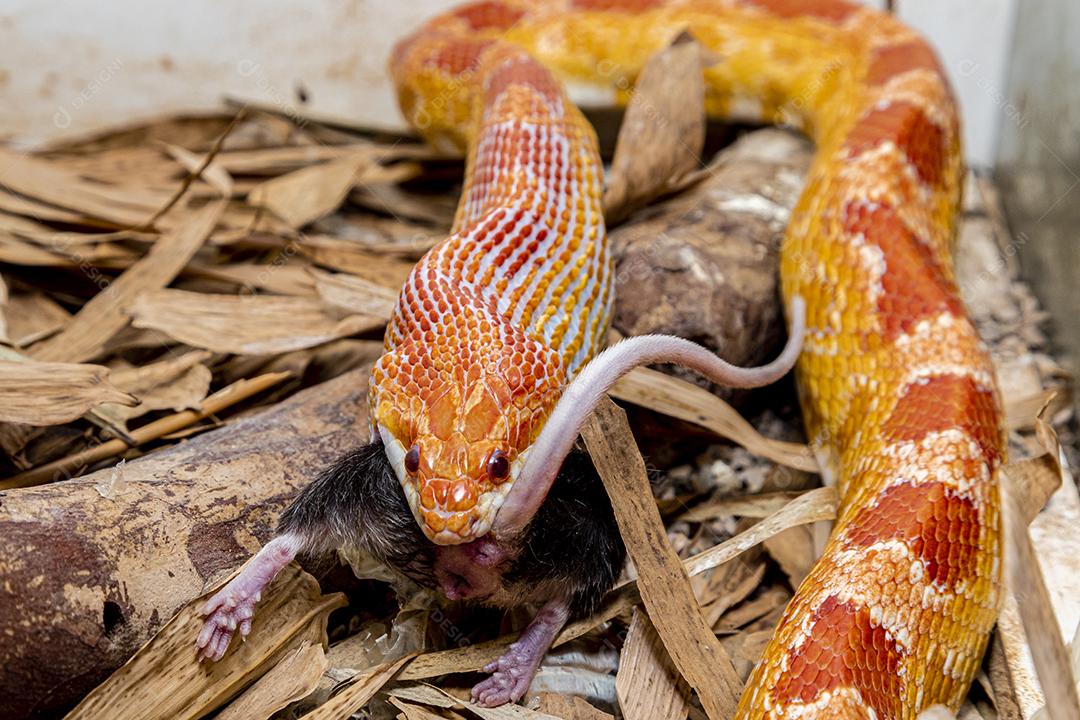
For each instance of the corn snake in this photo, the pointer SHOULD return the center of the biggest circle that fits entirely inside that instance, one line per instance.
(898, 392)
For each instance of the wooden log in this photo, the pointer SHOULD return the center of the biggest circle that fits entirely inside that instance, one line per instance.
(91, 568)
(704, 264)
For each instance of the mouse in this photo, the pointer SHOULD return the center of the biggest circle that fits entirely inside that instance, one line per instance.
(564, 560)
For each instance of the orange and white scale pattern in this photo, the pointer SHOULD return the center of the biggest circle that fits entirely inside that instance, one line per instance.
(898, 391)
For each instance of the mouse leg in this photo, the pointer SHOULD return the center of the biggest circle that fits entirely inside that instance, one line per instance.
(233, 607)
(513, 672)
(357, 501)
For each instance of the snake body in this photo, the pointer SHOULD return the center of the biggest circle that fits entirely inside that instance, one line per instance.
(898, 392)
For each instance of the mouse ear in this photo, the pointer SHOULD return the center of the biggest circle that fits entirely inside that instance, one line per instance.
(596, 378)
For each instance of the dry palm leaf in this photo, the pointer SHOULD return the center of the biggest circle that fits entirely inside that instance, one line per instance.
(570, 707)
(354, 294)
(647, 684)
(354, 259)
(166, 680)
(793, 550)
(277, 278)
(32, 316)
(662, 136)
(176, 383)
(306, 195)
(106, 313)
(214, 174)
(37, 393)
(5, 337)
(245, 325)
(356, 692)
(433, 696)
(127, 205)
(42, 211)
(294, 677)
(662, 580)
(1032, 638)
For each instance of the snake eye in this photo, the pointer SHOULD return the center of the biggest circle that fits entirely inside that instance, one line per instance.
(498, 466)
(412, 460)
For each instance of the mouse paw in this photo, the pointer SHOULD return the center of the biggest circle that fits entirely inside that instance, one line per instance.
(511, 675)
(231, 609)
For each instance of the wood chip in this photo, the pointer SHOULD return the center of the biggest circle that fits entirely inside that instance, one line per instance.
(662, 580)
(662, 132)
(647, 684)
(107, 312)
(37, 393)
(165, 678)
(245, 325)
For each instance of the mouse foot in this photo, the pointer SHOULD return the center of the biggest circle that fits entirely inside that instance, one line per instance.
(233, 607)
(513, 672)
(511, 675)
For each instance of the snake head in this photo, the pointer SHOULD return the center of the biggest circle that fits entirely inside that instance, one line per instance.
(457, 421)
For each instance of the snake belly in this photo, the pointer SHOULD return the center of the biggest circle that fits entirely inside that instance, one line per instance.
(897, 390)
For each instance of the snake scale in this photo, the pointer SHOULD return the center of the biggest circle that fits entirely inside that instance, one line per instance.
(897, 390)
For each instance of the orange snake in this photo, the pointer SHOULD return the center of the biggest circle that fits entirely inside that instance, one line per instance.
(898, 392)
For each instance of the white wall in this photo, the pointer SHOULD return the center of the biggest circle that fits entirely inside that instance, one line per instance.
(73, 66)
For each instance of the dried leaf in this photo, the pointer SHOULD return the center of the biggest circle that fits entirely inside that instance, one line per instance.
(680, 399)
(354, 294)
(429, 695)
(647, 684)
(280, 279)
(793, 549)
(414, 712)
(165, 678)
(33, 315)
(352, 258)
(37, 393)
(751, 506)
(570, 707)
(277, 160)
(245, 325)
(306, 195)
(41, 211)
(125, 205)
(294, 677)
(663, 130)
(662, 580)
(216, 175)
(176, 383)
(358, 691)
(106, 313)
